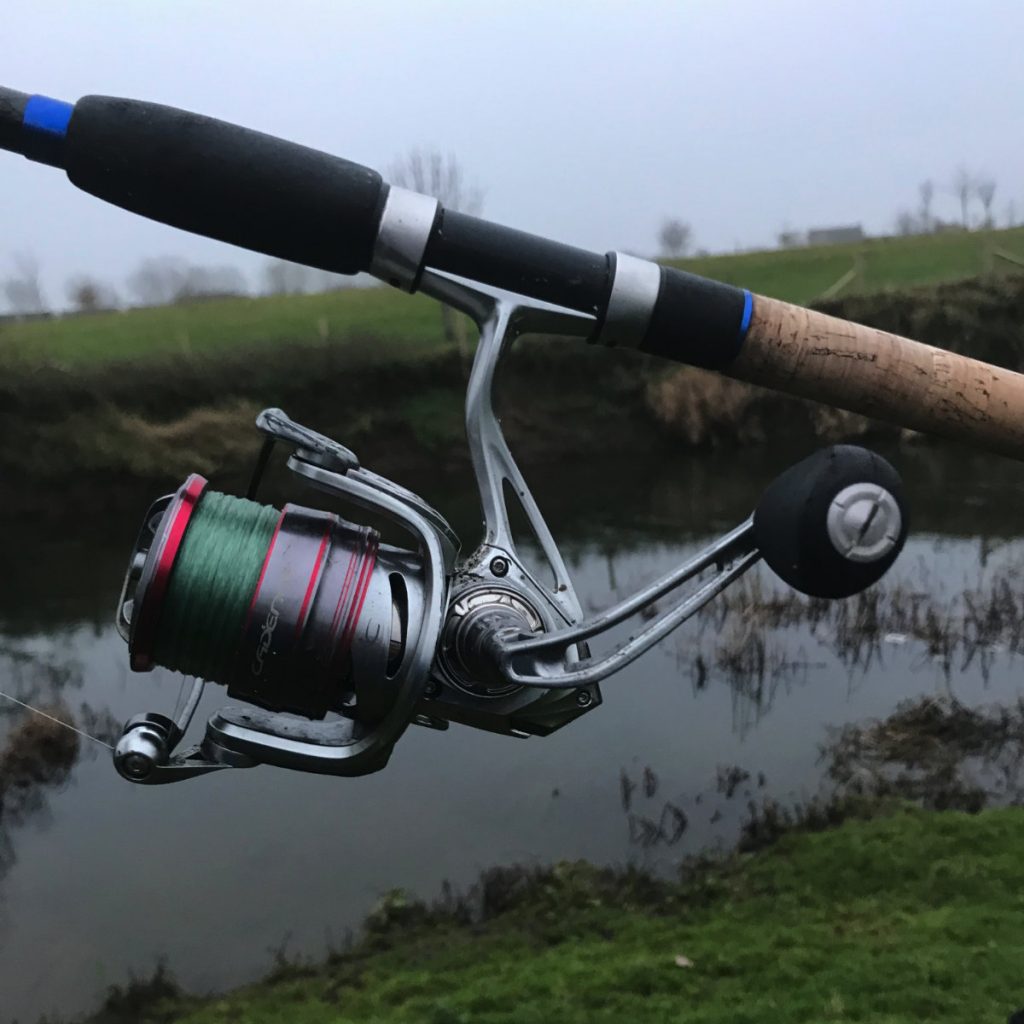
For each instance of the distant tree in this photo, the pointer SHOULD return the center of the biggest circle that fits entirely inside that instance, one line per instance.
(907, 223)
(789, 239)
(283, 278)
(440, 175)
(167, 279)
(675, 237)
(88, 295)
(1011, 214)
(159, 281)
(963, 188)
(211, 283)
(985, 190)
(926, 190)
(23, 289)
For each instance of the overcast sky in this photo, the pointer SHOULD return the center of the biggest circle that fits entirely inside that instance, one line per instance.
(587, 122)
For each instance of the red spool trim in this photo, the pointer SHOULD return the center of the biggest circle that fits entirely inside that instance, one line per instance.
(314, 578)
(343, 596)
(369, 561)
(147, 617)
(354, 589)
(263, 570)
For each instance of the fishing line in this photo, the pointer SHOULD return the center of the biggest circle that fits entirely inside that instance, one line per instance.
(57, 721)
(212, 584)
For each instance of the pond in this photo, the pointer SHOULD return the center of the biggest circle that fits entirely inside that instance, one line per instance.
(101, 879)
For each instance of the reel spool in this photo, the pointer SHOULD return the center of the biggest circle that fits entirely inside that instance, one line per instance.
(292, 611)
(333, 642)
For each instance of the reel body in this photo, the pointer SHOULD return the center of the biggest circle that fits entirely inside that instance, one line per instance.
(332, 642)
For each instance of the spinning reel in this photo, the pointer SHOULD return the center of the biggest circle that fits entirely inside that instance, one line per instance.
(332, 642)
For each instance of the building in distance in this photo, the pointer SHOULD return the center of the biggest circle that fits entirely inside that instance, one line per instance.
(835, 236)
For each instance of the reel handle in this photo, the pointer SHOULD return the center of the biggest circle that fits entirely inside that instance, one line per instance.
(834, 523)
(883, 375)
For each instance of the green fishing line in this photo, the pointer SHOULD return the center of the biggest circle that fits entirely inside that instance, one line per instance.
(212, 583)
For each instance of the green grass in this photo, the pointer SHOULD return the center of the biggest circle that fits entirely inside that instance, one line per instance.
(802, 275)
(898, 919)
(404, 327)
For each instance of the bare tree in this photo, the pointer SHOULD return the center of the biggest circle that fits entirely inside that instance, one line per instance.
(283, 278)
(985, 190)
(88, 295)
(211, 283)
(435, 174)
(23, 290)
(787, 238)
(159, 281)
(963, 187)
(166, 280)
(675, 236)
(926, 190)
(906, 223)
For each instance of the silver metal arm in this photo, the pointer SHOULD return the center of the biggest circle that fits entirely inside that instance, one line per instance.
(502, 319)
(524, 664)
(723, 552)
(145, 751)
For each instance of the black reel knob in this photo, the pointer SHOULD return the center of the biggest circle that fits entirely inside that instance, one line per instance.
(833, 524)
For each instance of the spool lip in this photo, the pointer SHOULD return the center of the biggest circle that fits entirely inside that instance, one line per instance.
(156, 574)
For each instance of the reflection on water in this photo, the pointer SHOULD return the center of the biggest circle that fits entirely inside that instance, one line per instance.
(39, 750)
(936, 751)
(215, 872)
(655, 823)
(37, 754)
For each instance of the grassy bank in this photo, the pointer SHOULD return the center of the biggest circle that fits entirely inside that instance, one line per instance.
(907, 917)
(409, 326)
(805, 275)
(84, 430)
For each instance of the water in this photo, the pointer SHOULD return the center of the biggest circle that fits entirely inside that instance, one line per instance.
(102, 878)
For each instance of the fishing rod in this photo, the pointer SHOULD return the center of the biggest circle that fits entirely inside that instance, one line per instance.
(331, 641)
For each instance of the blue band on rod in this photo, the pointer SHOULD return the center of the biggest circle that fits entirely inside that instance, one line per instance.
(748, 309)
(43, 114)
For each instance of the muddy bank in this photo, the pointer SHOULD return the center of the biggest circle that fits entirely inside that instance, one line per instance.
(95, 435)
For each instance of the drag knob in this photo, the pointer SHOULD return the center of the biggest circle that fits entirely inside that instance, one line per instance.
(831, 525)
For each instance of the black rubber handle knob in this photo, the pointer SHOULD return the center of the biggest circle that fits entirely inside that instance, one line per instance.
(833, 524)
(225, 182)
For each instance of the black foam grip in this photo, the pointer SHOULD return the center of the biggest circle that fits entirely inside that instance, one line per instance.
(519, 262)
(790, 524)
(696, 320)
(12, 113)
(226, 182)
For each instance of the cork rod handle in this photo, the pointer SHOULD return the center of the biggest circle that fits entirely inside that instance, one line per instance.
(882, 375)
